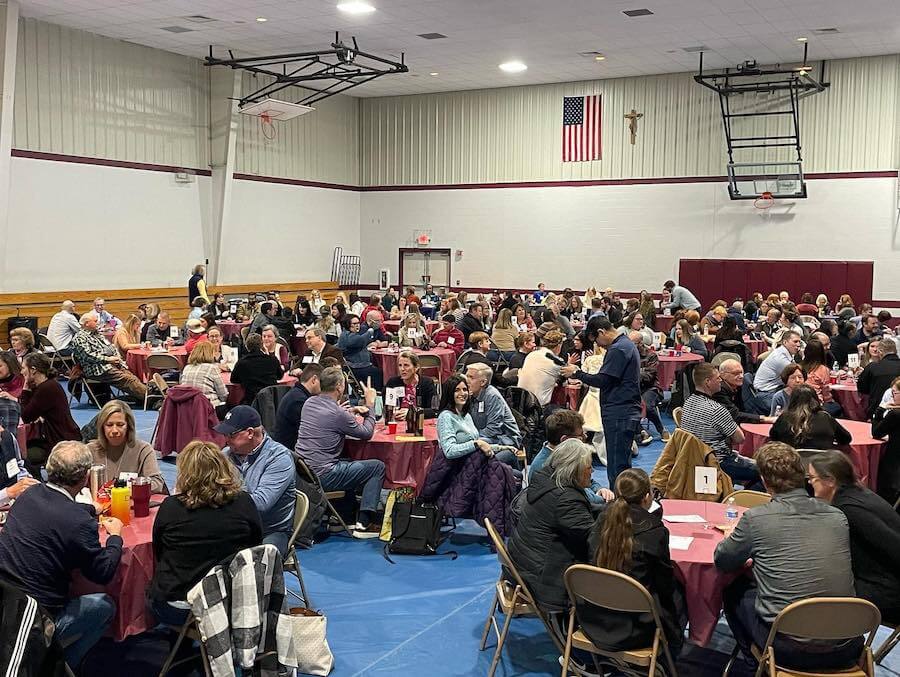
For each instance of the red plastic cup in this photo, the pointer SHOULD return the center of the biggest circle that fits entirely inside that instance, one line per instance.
(392, 428)
(140, 496)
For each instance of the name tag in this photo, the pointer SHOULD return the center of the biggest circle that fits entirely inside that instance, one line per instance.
(481, 407)
(308, 359)
(705, 480)
(12, 468)
(173, 332)
(450, 340)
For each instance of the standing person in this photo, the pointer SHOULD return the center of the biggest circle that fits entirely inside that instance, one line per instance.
(197, 285)
(619, 382)
(681, 297)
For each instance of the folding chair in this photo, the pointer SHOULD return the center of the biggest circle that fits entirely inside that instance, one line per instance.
(160, 363)
(48, 347)
(613, 591)
(676, 416)
(291, 563)
(888, 646)
(311, 477)
(513, 599)
(745, 498)
(191, 630)
(76, 376)
(245, 332)
(430, 365)
(828, 618)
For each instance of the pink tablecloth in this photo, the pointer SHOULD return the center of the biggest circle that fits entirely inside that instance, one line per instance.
(231, 328)
(386, 360)
(567, 395)
(405, 463)
(393, 326)
(670, 365)
(129, 585)
(703, 583)
(854, 403)
(865, 450)
(663, 323)
(136, 360)
(236, 392)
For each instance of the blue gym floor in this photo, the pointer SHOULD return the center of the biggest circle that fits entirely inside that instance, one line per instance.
(420, 616)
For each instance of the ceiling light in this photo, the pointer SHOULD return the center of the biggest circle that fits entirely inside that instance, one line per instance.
(637, 12)
(434, 74)
(355, 7)
(261, 19)
(599, 57)
(802, 39)
(513, 67)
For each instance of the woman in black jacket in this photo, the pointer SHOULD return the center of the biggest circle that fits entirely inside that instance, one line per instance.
(630, 539)
(843, 344)
(805, 425)
(874, 531)
(886, 421)
(552, 532)
(417, 389)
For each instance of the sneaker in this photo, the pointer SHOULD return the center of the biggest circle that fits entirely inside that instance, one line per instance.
(665, 436)
(634, 449)
(371, 531)
(645, 438)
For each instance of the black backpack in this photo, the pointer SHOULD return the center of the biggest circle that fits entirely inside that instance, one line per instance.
(416, 530)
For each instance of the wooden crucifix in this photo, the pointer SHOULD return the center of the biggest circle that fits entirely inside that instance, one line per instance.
(633, 118)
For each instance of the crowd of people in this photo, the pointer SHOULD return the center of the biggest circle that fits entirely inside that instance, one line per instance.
(514, 354)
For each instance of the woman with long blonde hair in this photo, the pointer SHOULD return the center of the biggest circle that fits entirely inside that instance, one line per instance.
(118, 448)
(208, 519)
(128, 336)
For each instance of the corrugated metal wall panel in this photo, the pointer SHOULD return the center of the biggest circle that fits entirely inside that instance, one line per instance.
(82, 94)
(319, 146)
(513, 134)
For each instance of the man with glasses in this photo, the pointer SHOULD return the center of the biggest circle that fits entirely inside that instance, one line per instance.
(267, 469)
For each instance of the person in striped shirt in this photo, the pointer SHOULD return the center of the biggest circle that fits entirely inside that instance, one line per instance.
(712, 424)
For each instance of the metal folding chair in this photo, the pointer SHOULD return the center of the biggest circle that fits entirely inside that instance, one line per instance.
(191, 631)
(745, 498)
(160, 363)
(311, 477)
(48, 347)
(291, 563)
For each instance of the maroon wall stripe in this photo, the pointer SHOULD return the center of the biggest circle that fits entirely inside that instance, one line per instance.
(295, 182)
(104, 162)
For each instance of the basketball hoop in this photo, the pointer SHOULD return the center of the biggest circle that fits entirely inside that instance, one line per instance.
(267, 127)
(764, 201)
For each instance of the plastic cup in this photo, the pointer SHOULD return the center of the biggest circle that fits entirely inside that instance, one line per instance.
(140, 496)
(392, 428)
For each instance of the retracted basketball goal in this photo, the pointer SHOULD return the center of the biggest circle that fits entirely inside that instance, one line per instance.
(268, 111)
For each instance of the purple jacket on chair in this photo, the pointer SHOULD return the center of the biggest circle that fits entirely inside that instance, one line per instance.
(186, 415)
(473, 486)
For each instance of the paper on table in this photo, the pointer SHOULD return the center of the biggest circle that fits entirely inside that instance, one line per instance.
(410, 438)
(680, 542)
(684, 519)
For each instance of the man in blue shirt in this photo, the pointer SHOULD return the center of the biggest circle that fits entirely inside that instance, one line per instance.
(619, 381)
(287, 417)
(268, 471)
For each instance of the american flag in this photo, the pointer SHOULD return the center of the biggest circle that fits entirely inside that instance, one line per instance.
(581, 128)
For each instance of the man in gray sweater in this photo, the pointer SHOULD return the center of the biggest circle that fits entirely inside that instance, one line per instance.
(800, 548)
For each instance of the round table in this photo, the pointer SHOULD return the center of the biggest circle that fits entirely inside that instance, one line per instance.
(406, 463)
(854, 403)
(231, 328)
(663, 323)
(393, 326)
(694, 567)
(865, 450)
(669, 365)
(132, 578)
(136, 359)
(386, 360)
(236, 392)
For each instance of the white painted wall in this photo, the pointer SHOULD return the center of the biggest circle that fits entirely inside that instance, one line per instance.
(279, 232)
(629, 237)
(77, 226)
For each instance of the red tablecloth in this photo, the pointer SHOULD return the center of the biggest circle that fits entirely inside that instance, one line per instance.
(854, 403)
(405, 463)
(386, 360)
(236, 392)
(567, 395)
(136, 359)
(670, 365)
(703, 583)
(663, 323)
(129, 585)
(231, 328)
(298, 343)
(393, 326)
(865, 450)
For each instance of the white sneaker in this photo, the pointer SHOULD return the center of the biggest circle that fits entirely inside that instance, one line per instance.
(363, 532)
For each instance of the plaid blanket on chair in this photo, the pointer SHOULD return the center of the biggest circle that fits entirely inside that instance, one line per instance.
(239, 613)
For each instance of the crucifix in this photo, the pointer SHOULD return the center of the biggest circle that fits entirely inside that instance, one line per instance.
(633, 118)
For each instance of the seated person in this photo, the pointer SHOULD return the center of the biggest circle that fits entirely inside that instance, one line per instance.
(800, 548)
(875, 380)
(100, 361)
(354, 343)
(267, 469)
(522, 319)
(418, 390)
(196, 333)
(399, 311)
(630, 539)
(504, 333)
(731, 397)
(128, 336)
(818, 375)
(688, 340)
(198, 307)
(479, 345)
(792, 376)
(317, 348)
(710, 422)
(163, 332)
(15, 477)
(47, 536)
(303, 313)
(712, 321)
(107, 321)
(202, 372)
(271, 346)
(472, 321)
(843, 344)
(412, 332)
(266, 313)
(118, 448)
(11, 379)
(806, 425)
(374, 306)
(651, 395)
(869, 329)
(491, 413)
(635, 323)
(283, 321)
(255, 370)
(767, 379)
(288, 414)
(525, 342)
(448, 336)
(209, 518)
(320, 441)
(539, 374)
(226, 356)
(562, 425)
(874, 530)
(63, 327)
(728, 332)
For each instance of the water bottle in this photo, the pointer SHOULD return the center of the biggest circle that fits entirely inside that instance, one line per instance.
(777, 411)
(731, 513)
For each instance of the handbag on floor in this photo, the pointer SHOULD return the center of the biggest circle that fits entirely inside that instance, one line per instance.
(313, 654)
(394, 496)
(416, 530)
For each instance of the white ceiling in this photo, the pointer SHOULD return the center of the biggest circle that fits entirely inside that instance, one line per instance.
(545, 34)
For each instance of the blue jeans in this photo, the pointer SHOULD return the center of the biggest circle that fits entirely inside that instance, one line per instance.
(619, 432)
(348, 475)
(279, 539)
(81, 624)
(167, 614)
(741, 470)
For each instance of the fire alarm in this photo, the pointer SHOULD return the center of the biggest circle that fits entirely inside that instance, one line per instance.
(423, 239)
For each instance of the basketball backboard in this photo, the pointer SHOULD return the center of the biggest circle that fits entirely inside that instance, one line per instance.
(749, 180)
